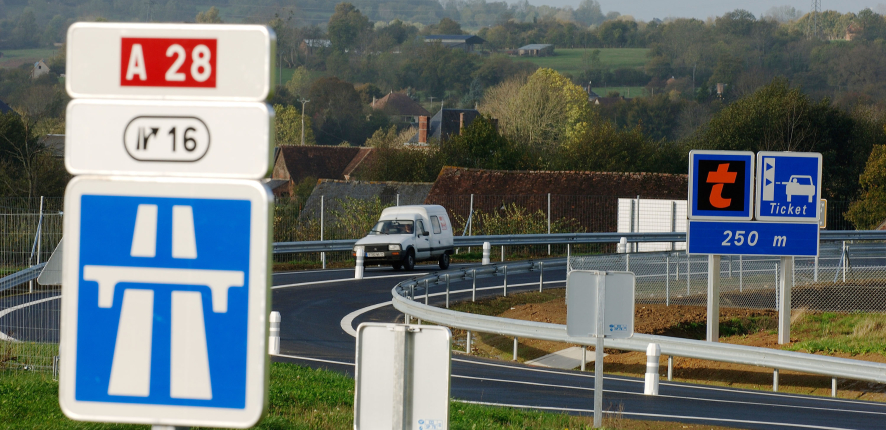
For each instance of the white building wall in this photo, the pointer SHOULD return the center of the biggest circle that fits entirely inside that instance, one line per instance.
(652, 216)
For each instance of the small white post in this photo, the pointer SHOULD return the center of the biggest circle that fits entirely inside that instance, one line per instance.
(447, 291)
(322, 227)
(670, 367)
(361, 256)
(502, 253)
(541, 275)
(274, 334)
(515, 348)
(505, 268)
(653, 353)
(487, 247)
(775, 380)
(398, 199)
(622, 246)
(474, 288)
(468, 343)
(584, 357)
(833, 387)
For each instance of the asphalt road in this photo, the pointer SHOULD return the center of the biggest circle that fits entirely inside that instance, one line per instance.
(313, 305)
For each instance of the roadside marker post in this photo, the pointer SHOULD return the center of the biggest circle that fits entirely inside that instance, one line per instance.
(599, 304)
(167, 230)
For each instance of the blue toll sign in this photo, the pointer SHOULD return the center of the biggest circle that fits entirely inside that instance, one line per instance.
(788, 186)
(720, 184)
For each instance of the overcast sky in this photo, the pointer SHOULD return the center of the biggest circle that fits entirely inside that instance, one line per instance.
(645, 10)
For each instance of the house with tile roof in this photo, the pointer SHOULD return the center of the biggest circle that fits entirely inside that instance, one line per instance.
(400, 108)
(295, 163)
(444, 124)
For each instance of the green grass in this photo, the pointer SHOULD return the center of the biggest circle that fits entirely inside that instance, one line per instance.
(571, 60)
(628, 92)
(16, 57)
(829, 332)
(299, 398)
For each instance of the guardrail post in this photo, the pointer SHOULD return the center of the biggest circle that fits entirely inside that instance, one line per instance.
(274, 334)
(833, 387)
(515, 348)
(361, 255)
(474, 288)
(468, 343)
(541, 275)
(670, 367)
(447, 291)
(653, 352)
(713, 323)
(486, 248)
(775, 380)
(505, 268)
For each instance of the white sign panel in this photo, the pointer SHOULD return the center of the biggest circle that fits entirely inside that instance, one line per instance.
(788, 186)
(156, 138)
(420, 372)
(170, 61)
(581, 303)
(164, 301)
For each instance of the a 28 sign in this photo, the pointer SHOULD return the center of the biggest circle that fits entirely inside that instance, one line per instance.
(170, 61)
(155, 62)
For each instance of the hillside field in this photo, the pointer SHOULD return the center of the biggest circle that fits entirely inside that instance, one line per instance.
(570, 60)
(16, 57)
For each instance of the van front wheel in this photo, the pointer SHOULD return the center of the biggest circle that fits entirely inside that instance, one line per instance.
(444, 261)
(409, 261)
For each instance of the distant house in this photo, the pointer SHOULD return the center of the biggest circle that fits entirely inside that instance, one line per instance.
(445, 123)
(40, 69)
(400, 107)
(465, 42)
(295, 163)
(536, 50)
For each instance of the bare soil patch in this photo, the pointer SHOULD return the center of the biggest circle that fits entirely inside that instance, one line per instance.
(753, 327)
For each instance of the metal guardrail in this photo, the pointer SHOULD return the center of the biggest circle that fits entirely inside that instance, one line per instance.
(404, 295)
(554, 239)
(21, 277)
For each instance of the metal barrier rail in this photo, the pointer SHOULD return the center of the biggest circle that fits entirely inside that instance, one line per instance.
(21, 277)
(554, 239)
(404, 295)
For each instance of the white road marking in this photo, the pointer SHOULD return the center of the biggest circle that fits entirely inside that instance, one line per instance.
(313, 359)
(301, 284)
(675, 417)
(4, 312)
(347, 323)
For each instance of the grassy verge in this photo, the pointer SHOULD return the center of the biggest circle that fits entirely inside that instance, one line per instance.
(299, 398)
(830, 332)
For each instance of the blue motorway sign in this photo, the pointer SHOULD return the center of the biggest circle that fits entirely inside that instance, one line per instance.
(752, 238)
(788, 186)
(162, 295)
(720, 184)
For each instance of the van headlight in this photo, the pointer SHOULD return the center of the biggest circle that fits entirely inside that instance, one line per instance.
(393, 247)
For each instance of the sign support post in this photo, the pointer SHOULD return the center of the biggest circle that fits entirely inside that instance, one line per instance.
(785, 283)
(598, 352)
(713, 331)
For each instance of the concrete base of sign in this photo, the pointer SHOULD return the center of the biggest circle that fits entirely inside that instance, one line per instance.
(568, 359)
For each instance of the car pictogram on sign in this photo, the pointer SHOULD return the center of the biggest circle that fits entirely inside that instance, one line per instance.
(800, 185)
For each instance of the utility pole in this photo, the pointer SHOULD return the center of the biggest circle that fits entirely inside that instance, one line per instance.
(303, 101)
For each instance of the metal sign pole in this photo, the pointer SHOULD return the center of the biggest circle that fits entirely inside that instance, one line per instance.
(785, 284)
(713, 331)
(598, 353)
(398, 417)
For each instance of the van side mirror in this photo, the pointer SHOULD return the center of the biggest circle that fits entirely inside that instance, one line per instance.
(427, 233)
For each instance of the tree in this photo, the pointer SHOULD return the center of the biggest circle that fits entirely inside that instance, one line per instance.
(337, 112)
(210, 16)
(300, 82)
(287, 125)
(588, 12)
(26, 34)
(347, 26)
(26, 169)
(480, 146)
(447, 26)
(869, 211)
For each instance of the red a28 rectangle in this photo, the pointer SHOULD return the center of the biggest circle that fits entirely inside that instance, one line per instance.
(155, 62)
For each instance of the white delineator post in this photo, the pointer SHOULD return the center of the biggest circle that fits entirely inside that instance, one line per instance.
(274, 334)
(487, 249)
(653, 353)
(361, 256)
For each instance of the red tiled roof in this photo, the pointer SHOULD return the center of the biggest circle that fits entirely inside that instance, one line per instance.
(322, 162)
(399, 104)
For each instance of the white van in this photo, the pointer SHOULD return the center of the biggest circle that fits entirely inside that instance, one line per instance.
(407, 234)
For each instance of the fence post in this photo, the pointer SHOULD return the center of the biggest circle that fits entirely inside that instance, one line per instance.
(740, 274)
(688, 273)
(549, 221)
(322, 226)
(668, 280)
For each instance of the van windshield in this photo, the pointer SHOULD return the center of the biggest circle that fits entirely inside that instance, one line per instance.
(392, 227)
